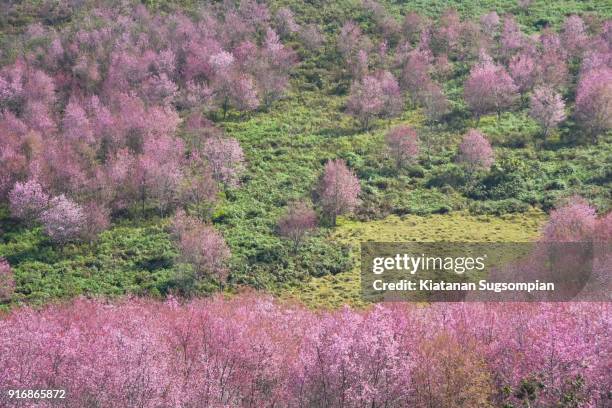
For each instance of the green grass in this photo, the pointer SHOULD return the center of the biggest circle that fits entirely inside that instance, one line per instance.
(344, 288)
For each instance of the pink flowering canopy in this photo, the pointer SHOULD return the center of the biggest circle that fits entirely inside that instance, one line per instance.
(338, 189)
(547, 108)
(256, 351)
(403, 144)
(489, 88)
(475, 151)
(299, 220)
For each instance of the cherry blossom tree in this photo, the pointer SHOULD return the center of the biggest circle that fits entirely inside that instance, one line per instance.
(350, 41)
(524, 71)
(402, 144)
(263, 351)
(97, 220)
(7, 281)
(547, 108)
(299, 220)
(338, 189)
(435, 104)
(572, 222)
(75, 125)
(198, 190)
(490, 22)
(226, 159)
(285, 22)
(415, 73)
(374, 96)
(489, 88)
(552, 70)
(63, 221)
(594, 101)
(412, 26)
(475, 151)
(201, 246)
(512, 39)
(28, 200)
(311, 37)
(574, 36)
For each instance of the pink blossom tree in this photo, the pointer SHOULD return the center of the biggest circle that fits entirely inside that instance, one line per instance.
(28, 200)
(338, 189)
(7, 281)
(524, 71)
(285, 22)
(435, 104)
(311, 37)
(594, 101)
(512, 39)
(552, 70)
(402, 144)
(226, 159)
(97, 220)
(415, 73)
(201, 246)
(198, 190)
(490, 22)
(63, 221)
(374, 96)
(299, 220)
(489, 88)
(252, 349)
(350, 41)
(573, 221)
(574, 35)
(475, 151)
(547, 108)
(75, 125)
(412, 26)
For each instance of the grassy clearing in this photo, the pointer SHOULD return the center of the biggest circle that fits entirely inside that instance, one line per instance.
(343, 288)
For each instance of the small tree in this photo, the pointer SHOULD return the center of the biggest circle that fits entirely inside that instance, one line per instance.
(374, 96)
(7, 282)
(594, 101)
(225, 158)
(402, 144)
(97, 219)
(524, 71)
(574, 221)
(28, 200)
(201, 246)
(338, 189)
(547, 108)
(475, 151)
(415, 73)
(574, 35)
(63, 221)
(297, 222)
(490, 22)
(285, 23)
(435, 103)
(489, 88)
